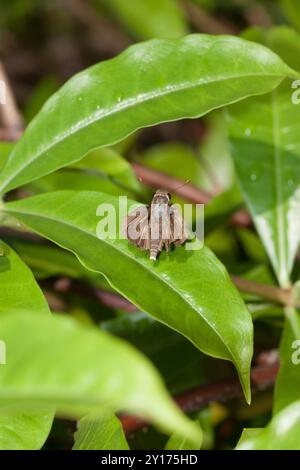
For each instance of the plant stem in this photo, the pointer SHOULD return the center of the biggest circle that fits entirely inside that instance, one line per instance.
(275, 294)
(156, 179)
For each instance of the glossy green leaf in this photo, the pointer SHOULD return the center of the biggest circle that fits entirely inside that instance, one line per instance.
(178, 443)
(80, 369)
(100, 432)
(147, 19)
(149, 83)
(18, 290)
(287, 389)
(18, 287)
(178, 290)
(282, 433)
(264, 136)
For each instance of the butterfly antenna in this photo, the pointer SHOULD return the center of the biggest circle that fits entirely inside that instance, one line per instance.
(181, 185)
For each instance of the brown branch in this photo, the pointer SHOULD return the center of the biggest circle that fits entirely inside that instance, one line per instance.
(156, 179)
(11, 118)
(263, 376)
(114, 300)
(275, 294)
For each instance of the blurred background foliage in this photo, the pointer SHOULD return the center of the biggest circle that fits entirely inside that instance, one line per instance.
(42, 44)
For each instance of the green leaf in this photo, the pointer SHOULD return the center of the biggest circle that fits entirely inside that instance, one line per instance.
(248, 433)
(176, 442)
(264, 136)
(288, 380)
(282, 433)
(18, 287)
(79, 369)
(18, 290)
(100, 432)
(283, 40)
(23, 429)
(149, 83)
(5, 150)
(147, 19)
(178, 290)
(291, 10)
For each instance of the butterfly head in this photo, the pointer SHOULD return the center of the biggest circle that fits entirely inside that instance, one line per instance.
(162, 194)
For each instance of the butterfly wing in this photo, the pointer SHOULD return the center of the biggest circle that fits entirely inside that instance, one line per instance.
(137, 228)
(178, 230)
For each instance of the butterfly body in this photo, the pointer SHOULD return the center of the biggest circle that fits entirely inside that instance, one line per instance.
(156, 227)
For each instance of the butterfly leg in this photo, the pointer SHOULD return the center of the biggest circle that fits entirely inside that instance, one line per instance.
(167, 245)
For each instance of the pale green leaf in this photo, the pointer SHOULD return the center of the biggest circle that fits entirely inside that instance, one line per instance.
(176, 442)
(264, 136)
(282, 433)
(18, 290)
(287, 389)
(80, 369)
(100, 432)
